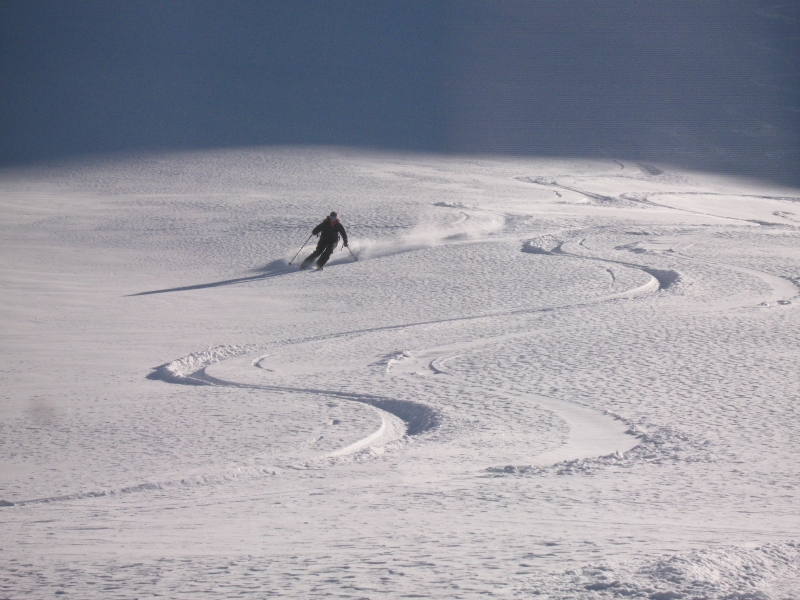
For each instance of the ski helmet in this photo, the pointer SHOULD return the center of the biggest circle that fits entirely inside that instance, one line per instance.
(333, 215)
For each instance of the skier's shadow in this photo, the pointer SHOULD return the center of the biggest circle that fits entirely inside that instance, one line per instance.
(273, 269)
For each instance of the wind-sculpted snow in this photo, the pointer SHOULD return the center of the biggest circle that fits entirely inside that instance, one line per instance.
(771, 571)
(541, 378)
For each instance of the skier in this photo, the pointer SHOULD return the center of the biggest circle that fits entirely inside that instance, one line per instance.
(328, 232)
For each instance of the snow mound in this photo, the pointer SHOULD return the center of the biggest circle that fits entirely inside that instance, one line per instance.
(182, 369)
(663, 445)
(538, 179)
(768, 572)
(544, 244)
(394, 358)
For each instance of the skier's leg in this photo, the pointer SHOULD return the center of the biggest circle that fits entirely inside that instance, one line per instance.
(307, 261)
(326, 254)
(313, 255)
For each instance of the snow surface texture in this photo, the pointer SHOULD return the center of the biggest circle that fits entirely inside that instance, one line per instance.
(541, 378)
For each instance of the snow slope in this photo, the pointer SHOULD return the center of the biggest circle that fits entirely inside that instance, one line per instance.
(542, 378)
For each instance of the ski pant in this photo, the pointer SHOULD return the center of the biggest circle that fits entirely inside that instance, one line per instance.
(324, 250)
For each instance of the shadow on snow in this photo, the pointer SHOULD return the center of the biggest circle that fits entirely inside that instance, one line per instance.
(273, 269)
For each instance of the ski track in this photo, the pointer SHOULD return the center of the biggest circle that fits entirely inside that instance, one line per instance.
(591, 433)
(398, 418)
(489, 408)
(392, 429)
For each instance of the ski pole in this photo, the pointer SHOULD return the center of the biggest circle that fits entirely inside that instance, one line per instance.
(301, 248)
(351, 253)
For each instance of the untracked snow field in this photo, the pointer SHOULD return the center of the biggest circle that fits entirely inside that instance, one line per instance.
(540, 379)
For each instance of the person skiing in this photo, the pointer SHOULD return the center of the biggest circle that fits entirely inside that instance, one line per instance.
(328, 232)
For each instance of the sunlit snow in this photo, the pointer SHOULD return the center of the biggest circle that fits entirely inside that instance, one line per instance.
(540, 378)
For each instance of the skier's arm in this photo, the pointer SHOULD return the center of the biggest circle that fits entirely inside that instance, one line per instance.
(341, 230)
(317, 229)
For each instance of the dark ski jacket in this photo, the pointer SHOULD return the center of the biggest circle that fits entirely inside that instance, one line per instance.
(329, 234)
